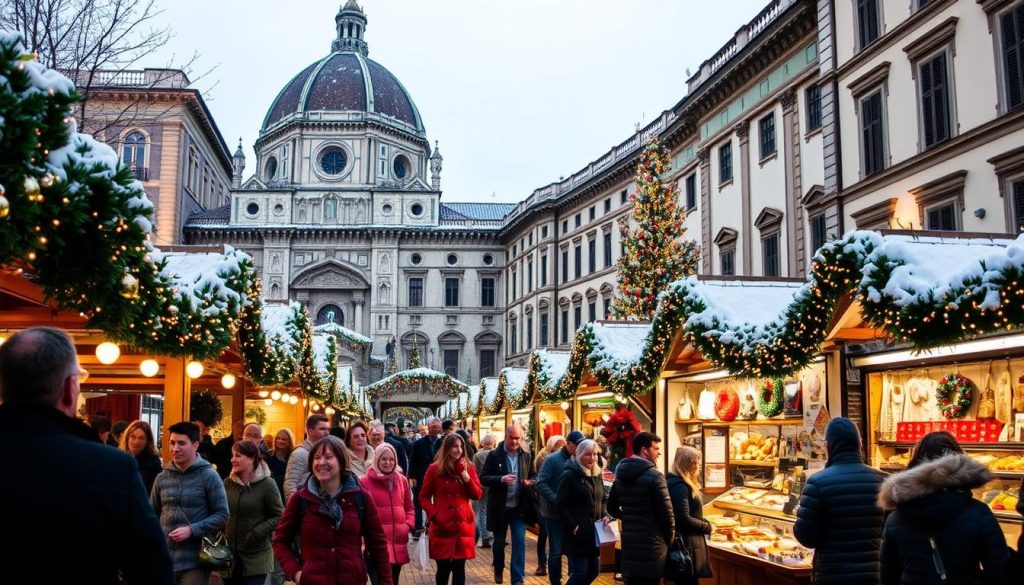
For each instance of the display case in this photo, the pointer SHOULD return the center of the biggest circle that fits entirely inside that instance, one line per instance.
(753, 537)
(905, 404)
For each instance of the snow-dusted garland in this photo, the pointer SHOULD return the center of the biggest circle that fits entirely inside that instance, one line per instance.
(955, 394)
(770, 396)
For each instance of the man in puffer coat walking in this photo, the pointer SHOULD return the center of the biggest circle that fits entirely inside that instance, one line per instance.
(189, 497)
(639, 497)
(838, 516)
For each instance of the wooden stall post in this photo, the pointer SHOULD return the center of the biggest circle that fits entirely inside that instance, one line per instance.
(177, 399)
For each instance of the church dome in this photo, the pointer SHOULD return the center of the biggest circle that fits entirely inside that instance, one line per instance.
(347, 81)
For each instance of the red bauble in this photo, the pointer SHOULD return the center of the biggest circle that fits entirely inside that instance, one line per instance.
(727, 404)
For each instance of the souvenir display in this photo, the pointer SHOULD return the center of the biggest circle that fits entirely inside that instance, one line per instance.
(685, 410)
(706, 405)
(955, 394)
(727, 404)
(770, 397)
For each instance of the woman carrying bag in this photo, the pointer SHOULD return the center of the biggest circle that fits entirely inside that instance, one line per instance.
(390, 490)
(581, 502)
(448, 486)
(255, 507)
(684, 489)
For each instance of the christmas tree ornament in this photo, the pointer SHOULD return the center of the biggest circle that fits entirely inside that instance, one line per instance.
(46, 181)
(5, 205)
(31, 186)
(129, 286)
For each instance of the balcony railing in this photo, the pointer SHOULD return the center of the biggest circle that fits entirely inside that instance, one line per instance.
(141, 173)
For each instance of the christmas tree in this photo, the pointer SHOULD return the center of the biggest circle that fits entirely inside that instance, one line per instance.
(655, 253)
(414, 360)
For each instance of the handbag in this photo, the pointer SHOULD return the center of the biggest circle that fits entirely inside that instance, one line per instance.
(215, 555)
(679, 562)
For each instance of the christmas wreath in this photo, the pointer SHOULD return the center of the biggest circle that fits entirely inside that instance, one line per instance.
(770, 397)
(954, 394)
(727, 404)
(620, 429)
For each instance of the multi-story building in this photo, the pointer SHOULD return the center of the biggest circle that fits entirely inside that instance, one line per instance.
(785, 139)
(930, 126)
(163, 130)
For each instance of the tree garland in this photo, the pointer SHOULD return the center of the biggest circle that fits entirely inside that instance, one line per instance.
(517, 400)
(955, 394)
(268, 359)
(770, 397)
(415, 381)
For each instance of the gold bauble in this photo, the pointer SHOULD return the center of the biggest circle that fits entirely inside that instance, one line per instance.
(31, 186)
(5, 207)
(129, 286)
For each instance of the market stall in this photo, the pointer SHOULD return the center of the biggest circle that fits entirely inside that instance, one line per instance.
(493, 415)
(545, 371)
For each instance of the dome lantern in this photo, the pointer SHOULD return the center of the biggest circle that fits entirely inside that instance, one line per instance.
(350, 23)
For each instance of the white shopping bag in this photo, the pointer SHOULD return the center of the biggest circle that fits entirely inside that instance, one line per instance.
(421, 556)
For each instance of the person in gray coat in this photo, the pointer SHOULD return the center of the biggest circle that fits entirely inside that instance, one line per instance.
(189, 497)
(317, 427)
(640, 498)
(547, 487)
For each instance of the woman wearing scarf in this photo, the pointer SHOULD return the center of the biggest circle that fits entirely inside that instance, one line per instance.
(390, 490)
(332, 517)
(255, 507)
(360, 454)
(448, 486)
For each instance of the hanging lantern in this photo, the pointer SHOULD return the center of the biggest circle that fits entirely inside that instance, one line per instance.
(275, 395)
(149, 367)
(268, 402)
(228, 381)
(194, 369)
(107, 352)
(264, 393)
(285, 396)
(293, 399)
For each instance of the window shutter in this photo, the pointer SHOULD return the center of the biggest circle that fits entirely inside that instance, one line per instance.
(935, 100)
(874, 146)
(1018, 204)
(1012, 24)
(927, 103)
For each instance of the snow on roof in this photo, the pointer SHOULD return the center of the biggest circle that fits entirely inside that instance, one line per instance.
(422, 374)
(754, 303)
(929, 266)
(200, 279)
(618, 345)
(515, 382)
(463, 399)
(344, 333)
(553, 365)
(321, 352)
(278, 320)
(490, 390)
(474, 398)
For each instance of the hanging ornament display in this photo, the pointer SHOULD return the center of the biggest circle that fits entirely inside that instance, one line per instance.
(954, 394)
(770, 397)
(129, 286)
(31, 186)
(727, 404)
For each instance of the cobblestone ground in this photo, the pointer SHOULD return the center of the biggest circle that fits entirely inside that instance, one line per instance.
(479, 572)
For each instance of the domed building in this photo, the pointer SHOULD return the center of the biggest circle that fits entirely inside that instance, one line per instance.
(343, 213)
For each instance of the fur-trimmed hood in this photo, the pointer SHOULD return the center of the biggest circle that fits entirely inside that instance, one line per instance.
(954, 472)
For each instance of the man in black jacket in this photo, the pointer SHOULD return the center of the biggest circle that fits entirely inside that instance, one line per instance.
(74, 510)
(639, 497)
(838, 515)
(391, 437)
(509, 473)
(423, 451)
(548, 476)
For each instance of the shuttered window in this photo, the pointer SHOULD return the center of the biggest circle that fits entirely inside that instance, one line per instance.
(770, 252)
(819, 232)
(1012, 25)
(766, 128)
(942, 217)
(867, 21)
(725, 163)
(935, 111)
(728, 259)
(872, 134)
(1018, 204)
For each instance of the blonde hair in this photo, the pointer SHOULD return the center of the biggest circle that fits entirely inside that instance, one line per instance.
(686, 459)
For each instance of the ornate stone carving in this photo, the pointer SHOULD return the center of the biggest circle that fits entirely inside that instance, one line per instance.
(788, 99)
(384, 263)
(327, 278)
(743, 129)
(704, 155)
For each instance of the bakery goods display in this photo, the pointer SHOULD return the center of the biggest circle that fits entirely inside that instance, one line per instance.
(753, 446)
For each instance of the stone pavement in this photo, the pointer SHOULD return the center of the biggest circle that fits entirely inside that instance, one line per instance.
(479, 572)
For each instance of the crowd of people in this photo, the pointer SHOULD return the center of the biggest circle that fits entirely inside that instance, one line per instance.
(343, 506)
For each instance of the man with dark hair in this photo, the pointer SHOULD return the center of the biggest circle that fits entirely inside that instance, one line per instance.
(640, 499)
(838, 514)
(317, 427)
(222, 450)
(547, 488)
(423, 451)
(62, 490)
(191, 501)
(508, 472)
(101, 425)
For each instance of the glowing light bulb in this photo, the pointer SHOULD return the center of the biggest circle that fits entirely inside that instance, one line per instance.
(228, 381)
(194, 370)
(149, 367)
(107, 352)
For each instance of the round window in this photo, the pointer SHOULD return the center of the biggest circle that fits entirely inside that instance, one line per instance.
(400, 167)
(279, 209)
(416, 209)
(488, 259)
(252, 208)
(386, 208)
(453, 259)
(416, 259)
(333, 160)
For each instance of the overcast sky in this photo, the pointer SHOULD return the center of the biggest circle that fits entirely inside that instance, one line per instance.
(518, 93)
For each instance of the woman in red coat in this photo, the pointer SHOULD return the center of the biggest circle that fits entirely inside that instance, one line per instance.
(448, 486)
(390, 490)
(332, 517)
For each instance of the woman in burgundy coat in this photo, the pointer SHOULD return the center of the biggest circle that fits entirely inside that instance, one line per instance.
(325, 515)
(448, 486)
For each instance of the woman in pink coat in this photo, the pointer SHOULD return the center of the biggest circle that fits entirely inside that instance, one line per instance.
(448, 486)
(390, 491)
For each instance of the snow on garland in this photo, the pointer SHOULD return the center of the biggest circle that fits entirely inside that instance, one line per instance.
(545, 372)
(416, 380)
(473, 406)
(344, 335)
(492, 399)
(512, 385)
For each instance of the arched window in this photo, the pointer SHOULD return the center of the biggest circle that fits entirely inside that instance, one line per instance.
(134, 153)
(330, 314)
